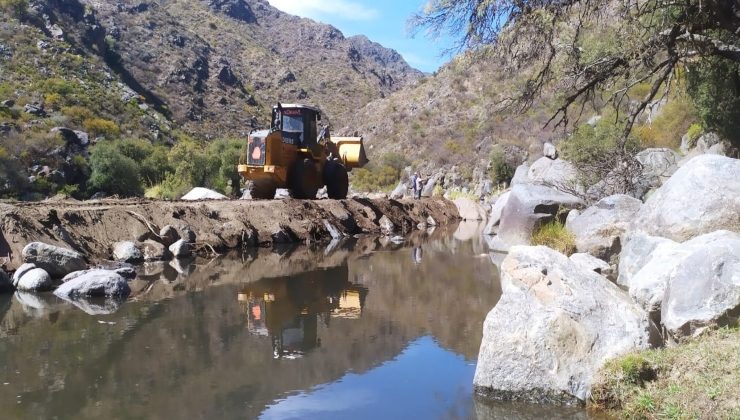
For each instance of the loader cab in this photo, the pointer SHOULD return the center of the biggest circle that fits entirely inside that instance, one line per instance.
(297, 123)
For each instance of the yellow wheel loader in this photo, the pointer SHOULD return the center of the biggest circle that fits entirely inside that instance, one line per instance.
(293, 155)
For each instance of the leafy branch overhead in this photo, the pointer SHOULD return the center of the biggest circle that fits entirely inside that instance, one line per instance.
(588, 48)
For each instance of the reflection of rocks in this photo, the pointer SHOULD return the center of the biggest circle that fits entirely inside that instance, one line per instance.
(6, 284)
(35, 305)
(574, 320)
(485, 409)
(100, 306)
(468, 229)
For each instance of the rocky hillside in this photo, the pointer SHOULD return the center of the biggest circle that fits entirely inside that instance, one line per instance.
(212, 67)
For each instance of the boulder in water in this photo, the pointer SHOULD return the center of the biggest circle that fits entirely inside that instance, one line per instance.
(127, 251)
(94, 283)
(555, 325)
(34, 280)
(180, 249)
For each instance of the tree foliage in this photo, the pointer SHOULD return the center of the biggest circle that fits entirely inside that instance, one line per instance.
(714, 84)
(585, 48)
(113, 172)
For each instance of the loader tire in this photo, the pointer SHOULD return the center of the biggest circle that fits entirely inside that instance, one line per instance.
(336, 180)
(304, 180)
(262, 189)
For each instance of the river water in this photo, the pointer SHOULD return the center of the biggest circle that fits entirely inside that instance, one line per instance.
(360, 329)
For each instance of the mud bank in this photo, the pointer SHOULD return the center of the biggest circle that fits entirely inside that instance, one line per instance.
(92, 227)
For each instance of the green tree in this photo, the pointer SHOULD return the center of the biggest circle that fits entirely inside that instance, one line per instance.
(553, 41)
(714, 85)
(17, 8)
(113, 172)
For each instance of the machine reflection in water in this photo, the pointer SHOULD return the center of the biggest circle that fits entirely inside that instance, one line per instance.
(290, 310)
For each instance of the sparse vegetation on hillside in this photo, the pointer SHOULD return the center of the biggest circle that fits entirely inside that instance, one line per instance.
(554, 235)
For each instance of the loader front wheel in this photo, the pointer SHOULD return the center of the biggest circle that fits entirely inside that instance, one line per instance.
(304, 180)
(262, 189)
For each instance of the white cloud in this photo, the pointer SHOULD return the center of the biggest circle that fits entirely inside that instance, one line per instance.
(317, 9)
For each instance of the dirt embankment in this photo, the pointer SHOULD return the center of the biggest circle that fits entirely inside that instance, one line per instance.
(93, 227)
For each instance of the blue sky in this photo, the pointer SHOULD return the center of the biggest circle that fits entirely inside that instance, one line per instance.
(383, 21)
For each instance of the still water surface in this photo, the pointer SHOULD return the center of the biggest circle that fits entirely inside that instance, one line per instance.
(362, 329)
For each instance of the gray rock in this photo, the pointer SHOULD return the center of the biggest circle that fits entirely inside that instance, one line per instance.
(658, 164)
(94, 283)
(704, 287)
(23, 269)
(233, 233)
(469, 209)
(496, 212)
(550, 151)
(200, 193)
(429, 184)
(127, 251)
(180, 249)
(399, 192)
(431, 221)
(36, 110)
(6, 284)
(128, 273)
(34, 280)
(56, 261)
(529, 205)
(154, 251)
(598, 228)
(169, 235)
(282, 194)
(637, 250)
(521, 175)
(590, 263)
(558, 173)
(386, 225)
(701, 197)
(707, 140)
(555, 325)
(186, 233)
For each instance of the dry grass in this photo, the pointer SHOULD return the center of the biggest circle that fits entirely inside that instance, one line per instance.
(555, 236)
(699, 379)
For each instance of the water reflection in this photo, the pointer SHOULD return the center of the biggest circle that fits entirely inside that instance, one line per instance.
(290, 309)
(395, 327)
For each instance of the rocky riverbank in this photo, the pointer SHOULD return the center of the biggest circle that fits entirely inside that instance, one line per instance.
(659, 270)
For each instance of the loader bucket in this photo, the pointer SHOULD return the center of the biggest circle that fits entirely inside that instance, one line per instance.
(351, 151)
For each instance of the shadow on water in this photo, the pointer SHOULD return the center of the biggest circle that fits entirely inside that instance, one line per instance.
(365, 328)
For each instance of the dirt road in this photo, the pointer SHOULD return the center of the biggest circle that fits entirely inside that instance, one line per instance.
(92, 227)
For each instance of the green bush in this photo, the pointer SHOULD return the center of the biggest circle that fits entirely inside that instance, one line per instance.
(501, 171)
(555, 236)
(101, 127)
(693, 133)
(16, 8)
(113, 172)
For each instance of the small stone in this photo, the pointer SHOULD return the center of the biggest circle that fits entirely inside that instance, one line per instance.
(154, 251)
(127, 251)
(169, 235)
(34, 280)
(180, 249)
(386, 225)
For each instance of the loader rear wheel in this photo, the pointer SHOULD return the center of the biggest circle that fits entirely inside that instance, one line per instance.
(262, 189)
(336, 180)
(304, 180)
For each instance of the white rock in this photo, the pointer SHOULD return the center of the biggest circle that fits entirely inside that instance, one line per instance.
(496, 211)
(549, 151)
(127, 251)
(200, 193)
(469, 209)
(551, 172)
(701, 197)
(34, 280)
(598, 228)
(94, 283)
(180, 249)
(590, 263)
(56, 261)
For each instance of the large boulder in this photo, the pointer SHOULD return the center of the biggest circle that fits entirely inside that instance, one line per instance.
(94, 283)
(528, 206)
(56, 261)
(429, 184)
(598, 228)
(34, 280)
(496, 211)
(658, 164)
(688, 286)
(590, 263)
(469, 209)
(549, 151)
(521, 175)
(127, 251)
(704, 287)
(701, 197)
(553, 328)
(399, 192)
(200, 193)
(553, 172)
